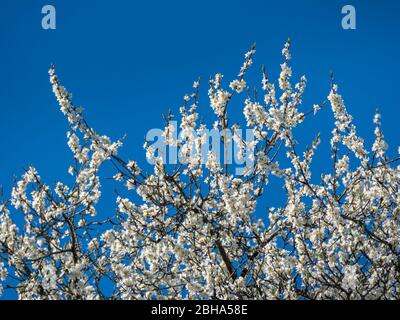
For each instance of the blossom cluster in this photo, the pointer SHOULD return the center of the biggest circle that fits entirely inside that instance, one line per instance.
(198, 230)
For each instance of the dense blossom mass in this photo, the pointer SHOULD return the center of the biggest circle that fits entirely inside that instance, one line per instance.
(195, 230)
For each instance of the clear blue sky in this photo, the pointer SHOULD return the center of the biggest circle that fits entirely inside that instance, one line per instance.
(127, 62)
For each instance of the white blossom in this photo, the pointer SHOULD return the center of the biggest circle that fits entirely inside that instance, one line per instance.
(198, 230)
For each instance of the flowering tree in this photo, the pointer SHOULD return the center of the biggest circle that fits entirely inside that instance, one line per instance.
(191, 229)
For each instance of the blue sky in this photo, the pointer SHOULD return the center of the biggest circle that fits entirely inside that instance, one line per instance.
(127, 62)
